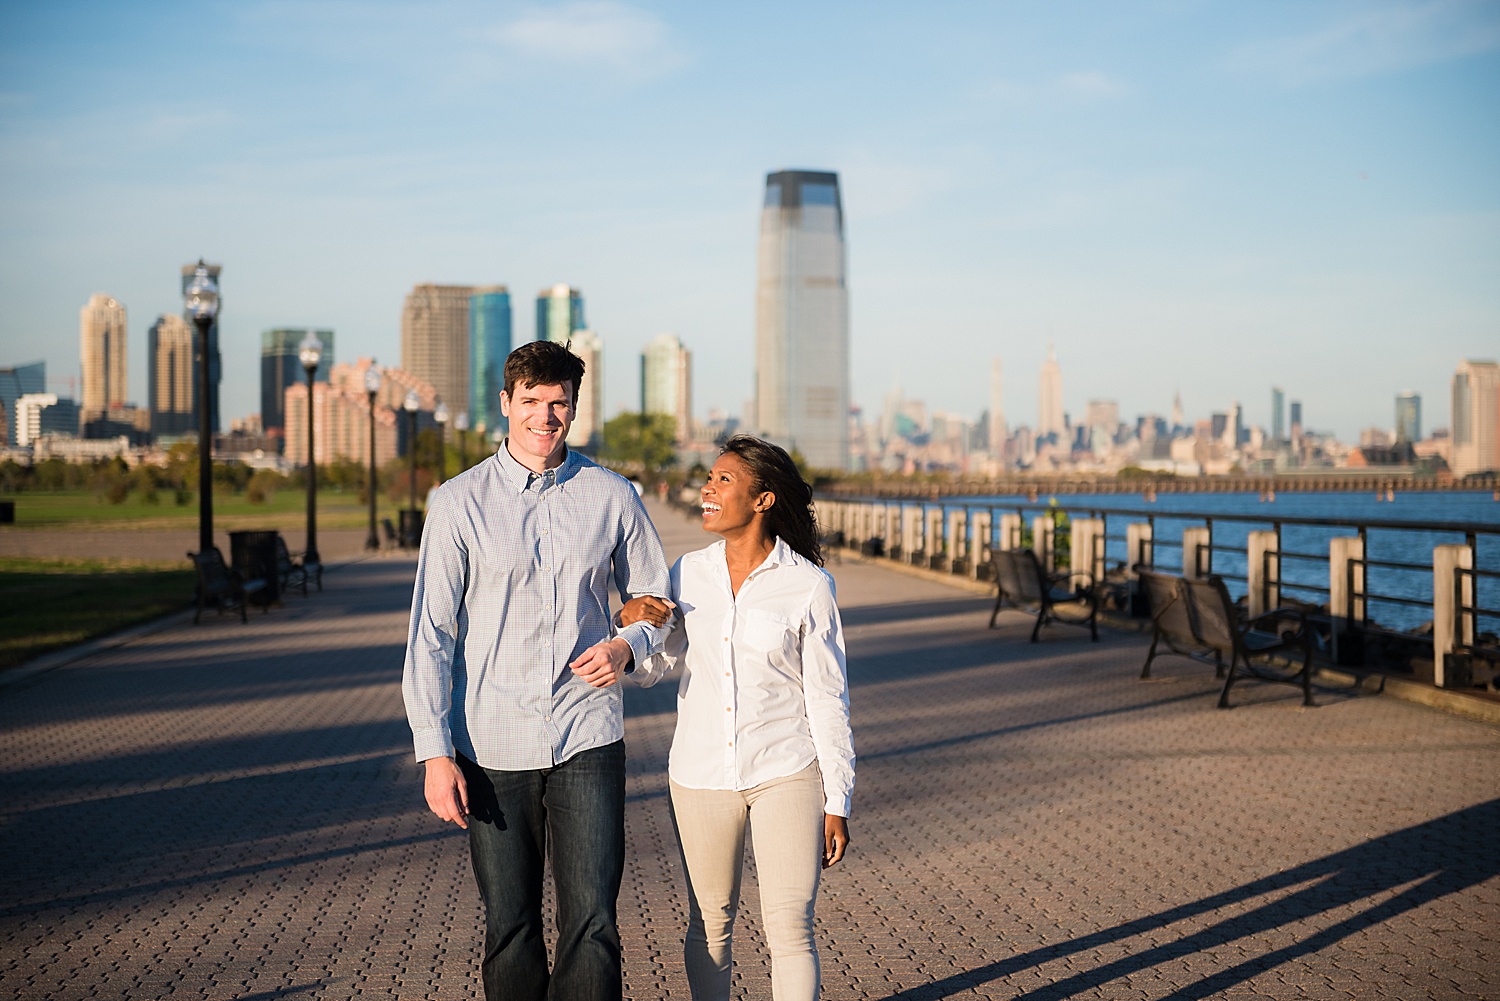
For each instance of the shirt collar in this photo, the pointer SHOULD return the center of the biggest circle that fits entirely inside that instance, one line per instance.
(521, 478)
(780, 554)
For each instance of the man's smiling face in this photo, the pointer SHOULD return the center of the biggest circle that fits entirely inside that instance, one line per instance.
(539, 420)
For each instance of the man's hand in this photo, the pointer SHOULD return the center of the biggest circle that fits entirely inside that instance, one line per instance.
(604, 663)
(647, 607)
(447, 793)
(835, 838)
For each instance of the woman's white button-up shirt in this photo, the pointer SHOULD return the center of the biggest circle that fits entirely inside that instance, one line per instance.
(764, 690)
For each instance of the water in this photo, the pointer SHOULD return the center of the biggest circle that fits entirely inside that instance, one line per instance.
(1305, 579)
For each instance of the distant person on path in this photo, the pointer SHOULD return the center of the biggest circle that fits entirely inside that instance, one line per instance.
(510, 633)
(763, 717)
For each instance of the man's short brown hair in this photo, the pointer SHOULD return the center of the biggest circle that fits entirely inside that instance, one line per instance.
(543, 363)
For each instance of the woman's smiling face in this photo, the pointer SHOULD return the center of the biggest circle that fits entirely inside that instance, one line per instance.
(729, 498)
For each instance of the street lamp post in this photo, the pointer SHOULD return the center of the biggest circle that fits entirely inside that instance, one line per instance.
(310, 352)
(372, 386)
(441, 416)
(411, 405)
(202, 298)
(461, 428)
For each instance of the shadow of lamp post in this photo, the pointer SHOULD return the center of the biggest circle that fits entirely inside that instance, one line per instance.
(372, 387)
(410, 534)
(202, 299)
(310, 353)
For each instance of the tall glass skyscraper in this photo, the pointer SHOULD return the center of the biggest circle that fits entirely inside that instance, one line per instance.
(1409, 416)
(559, 312)
(281, 367)
(489, 343)
(15, 382)
(802, 318)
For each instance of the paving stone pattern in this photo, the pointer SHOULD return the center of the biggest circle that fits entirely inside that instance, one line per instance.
(231, 811)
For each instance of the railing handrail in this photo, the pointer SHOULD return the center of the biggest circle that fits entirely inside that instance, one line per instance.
(1390, 523)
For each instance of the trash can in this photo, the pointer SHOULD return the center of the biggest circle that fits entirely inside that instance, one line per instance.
(253, 554)
(411, 528)
(7, 512)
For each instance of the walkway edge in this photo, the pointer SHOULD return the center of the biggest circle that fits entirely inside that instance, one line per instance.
(1459, 703)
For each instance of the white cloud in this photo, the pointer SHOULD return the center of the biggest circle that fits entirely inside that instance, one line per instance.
(593, 33)
(1376, 42)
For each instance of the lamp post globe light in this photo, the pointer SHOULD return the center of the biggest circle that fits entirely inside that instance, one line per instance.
(202, 301)
(461, 426)
(372, 387)
(310, 353)
(441, 416)
(409, 532)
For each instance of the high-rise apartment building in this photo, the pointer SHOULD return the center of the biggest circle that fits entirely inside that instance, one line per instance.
(215, 366)
(1102, 414)
(1295, 418)
(587, 431)
(281, 369)
(101, 344)
(1408, 417)
(15, 382)
(169, 366)
(1050, 418)
(44, 413)
(802, 318)
(667, 381)
(341, 416)
(1278, 414)
(489, 343)
(1476, 417)
(435, 339)
(997, 429)
(559, 312)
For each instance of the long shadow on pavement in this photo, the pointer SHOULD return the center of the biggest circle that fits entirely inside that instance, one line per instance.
(1439, 857)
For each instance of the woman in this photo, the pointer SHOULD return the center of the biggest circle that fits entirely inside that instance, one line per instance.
(763, 717)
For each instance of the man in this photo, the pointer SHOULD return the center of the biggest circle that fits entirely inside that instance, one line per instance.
(510, 623)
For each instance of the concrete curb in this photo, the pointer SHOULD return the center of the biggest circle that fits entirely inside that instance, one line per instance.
(1473, 707)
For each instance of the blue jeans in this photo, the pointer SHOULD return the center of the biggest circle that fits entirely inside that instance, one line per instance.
(579, 806)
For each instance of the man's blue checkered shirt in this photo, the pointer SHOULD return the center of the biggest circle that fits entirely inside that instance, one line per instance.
(513, 584)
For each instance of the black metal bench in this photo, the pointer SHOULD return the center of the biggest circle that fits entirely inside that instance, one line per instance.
(295, 571)
(1020, 578)
(392, 538)
(1198, 619)
(222, 585)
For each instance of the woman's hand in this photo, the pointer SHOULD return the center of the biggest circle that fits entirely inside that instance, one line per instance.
(835, 839)
(648, 608)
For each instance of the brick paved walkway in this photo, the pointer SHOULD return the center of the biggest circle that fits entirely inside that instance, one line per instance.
(231, 812)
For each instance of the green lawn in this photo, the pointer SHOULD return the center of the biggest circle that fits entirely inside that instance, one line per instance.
(49, 603)
(285, 509)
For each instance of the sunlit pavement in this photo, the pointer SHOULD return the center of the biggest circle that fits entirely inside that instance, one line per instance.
(231, 811)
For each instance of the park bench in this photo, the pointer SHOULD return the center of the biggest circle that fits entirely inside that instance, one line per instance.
(220, 584)
(1215, 629)
(294, 571)
(392, 538)
(1020, 578)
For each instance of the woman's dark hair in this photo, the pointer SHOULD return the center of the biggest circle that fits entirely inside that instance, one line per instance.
(543, 363)
(771, 469)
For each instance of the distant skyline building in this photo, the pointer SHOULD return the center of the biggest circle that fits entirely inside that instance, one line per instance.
(15, 382)
(44, 413)
(1278, 414)
(588, 420)
(281, 369)
(169, 374)
(215, 364)
(1294, 423)
(1476, 417)
(1050, 418)
(1408, 417)
(802, 318)
(489, 344)
(997, 432)
(435, 340)
(101, 352)
(667, 382)
(559, 312)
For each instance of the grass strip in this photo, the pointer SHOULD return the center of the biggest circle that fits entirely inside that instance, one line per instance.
(46, 604)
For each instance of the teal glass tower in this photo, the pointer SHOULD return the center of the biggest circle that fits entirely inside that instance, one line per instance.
(489, 343)
(559, 312)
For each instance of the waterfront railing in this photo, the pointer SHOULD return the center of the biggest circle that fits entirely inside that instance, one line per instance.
(1415, 597)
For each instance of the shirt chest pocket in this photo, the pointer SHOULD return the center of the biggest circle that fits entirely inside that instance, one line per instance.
(766, 632)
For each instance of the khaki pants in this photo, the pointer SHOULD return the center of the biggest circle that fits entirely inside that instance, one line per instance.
(786, 830)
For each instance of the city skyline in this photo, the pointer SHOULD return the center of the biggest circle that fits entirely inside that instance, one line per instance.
(1152, 186)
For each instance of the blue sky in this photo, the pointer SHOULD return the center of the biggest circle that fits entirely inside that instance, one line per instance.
(1215, 197)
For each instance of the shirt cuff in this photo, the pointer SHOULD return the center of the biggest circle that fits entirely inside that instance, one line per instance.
(641, 638)
(432, 743)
